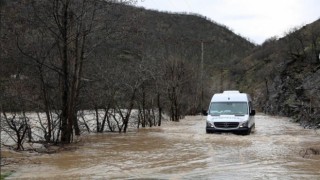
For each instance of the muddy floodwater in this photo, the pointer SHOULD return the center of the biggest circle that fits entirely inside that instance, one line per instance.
(278, 149)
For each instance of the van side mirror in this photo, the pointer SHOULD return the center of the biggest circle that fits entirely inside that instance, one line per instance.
(204, 112)
(253, 112)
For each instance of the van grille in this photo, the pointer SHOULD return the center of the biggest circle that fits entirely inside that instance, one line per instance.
(226, 124)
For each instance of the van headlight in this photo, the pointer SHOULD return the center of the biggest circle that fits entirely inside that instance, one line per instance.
(209, 124)
(244, 124)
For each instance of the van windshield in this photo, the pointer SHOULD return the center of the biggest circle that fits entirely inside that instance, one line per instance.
(228, 108)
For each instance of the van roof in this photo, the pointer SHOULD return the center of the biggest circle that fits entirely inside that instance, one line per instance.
(231, 92)
(231, 96)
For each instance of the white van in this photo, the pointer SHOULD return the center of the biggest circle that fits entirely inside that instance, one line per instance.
(231, 111)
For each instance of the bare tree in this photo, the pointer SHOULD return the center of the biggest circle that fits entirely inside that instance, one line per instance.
(177, 78)
(66, 29)
(16, 126)
(296, 43)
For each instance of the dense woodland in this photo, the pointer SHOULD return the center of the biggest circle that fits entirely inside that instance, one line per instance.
(129, 66)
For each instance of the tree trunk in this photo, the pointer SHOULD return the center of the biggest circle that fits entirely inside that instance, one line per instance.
(160, 109)
(66, 122)
(97, 119)
(143, 107)
(46, 105)
(126, 119)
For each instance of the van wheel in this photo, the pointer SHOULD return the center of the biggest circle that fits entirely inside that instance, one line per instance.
(208, 131)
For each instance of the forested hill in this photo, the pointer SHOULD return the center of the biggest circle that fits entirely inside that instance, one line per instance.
(182, 36)
(191, 30)
(159, 35)
(284, 75)
(124, 44)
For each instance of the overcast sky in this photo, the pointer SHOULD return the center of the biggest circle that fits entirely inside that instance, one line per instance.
(257, 20)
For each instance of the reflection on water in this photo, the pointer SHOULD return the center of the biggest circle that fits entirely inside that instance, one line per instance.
(184, 151)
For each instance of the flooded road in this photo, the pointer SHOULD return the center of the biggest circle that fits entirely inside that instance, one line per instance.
(184, 151)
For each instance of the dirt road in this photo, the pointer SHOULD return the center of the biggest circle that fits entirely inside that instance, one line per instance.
(277, 150)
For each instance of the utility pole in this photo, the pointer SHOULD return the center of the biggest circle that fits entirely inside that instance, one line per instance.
(202, 70)
(201, 76)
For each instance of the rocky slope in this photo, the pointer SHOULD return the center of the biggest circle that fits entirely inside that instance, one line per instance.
(284, 75)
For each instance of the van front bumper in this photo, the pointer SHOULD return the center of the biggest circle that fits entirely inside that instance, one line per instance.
(213, 129)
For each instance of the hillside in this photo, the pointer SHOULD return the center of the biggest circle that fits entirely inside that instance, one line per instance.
(128, 50)
(284, 75)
